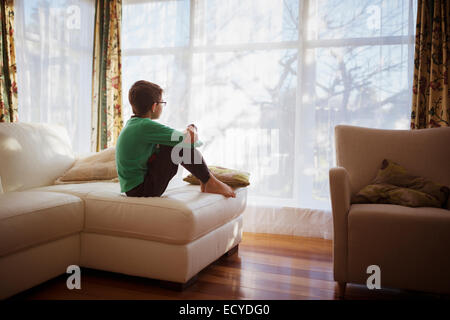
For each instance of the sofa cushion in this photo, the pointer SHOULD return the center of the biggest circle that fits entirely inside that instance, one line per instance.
(30, 218)
(81, 190)
(180, 216)
(33, 154)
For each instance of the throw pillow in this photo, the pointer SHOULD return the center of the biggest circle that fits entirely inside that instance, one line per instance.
(100, 166)
(231, 177)
(390, 194)
(394, 185)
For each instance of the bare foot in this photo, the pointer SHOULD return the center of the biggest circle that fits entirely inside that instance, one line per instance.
(215, 186)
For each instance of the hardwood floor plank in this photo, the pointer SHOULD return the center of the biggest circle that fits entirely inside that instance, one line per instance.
(245, 292)
(288, 253)
(321, 284)
(276, 269)
(263, 284)
(287, 261)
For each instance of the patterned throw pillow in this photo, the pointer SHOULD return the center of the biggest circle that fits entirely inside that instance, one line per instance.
(394, 185)
(231, 177)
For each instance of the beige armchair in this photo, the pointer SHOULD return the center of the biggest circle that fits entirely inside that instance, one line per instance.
(410, 245)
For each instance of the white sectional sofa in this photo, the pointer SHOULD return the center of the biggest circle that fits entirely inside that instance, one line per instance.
(44, 228)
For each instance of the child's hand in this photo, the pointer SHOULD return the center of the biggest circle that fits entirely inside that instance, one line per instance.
(191, 134)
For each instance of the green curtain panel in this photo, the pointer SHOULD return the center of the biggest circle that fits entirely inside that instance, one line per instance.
(430, 107)
(106, 75)
(8, 83)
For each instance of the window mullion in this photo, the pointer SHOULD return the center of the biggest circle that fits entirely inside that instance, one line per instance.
(356, 42)
(302, 15)
(190, 53)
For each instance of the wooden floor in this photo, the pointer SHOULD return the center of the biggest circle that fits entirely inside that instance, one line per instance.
(265, 267)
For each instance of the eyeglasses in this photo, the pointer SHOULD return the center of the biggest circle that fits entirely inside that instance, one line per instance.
(163, 102)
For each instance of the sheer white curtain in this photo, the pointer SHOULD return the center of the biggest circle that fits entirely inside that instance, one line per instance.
(54, 40)
(266, 81)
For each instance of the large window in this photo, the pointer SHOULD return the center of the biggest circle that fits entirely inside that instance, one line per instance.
(266, 81)
(54, 41)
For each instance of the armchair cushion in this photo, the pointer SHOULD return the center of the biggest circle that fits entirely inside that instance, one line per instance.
(410, 245)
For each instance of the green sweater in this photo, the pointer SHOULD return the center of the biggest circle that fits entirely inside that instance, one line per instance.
(135, 145)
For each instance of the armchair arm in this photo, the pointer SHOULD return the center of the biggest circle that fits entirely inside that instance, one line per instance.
(340, 192)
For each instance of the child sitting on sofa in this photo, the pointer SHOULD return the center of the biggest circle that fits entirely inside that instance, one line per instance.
(148, 153)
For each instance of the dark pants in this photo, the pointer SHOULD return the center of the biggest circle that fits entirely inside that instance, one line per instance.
(161, 169)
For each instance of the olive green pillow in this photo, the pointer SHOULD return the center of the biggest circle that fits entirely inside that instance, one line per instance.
(394, 185)
(231, 177)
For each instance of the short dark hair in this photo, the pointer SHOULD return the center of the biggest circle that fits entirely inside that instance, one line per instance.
(142, 95)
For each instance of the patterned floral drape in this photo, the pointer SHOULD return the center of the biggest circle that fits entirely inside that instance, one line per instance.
(431, 103)
(8, 83)
(106, 75)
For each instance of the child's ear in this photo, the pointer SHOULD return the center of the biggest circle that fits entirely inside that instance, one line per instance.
(153, 107)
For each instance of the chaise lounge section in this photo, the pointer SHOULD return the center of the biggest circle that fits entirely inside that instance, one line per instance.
(44, 228)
